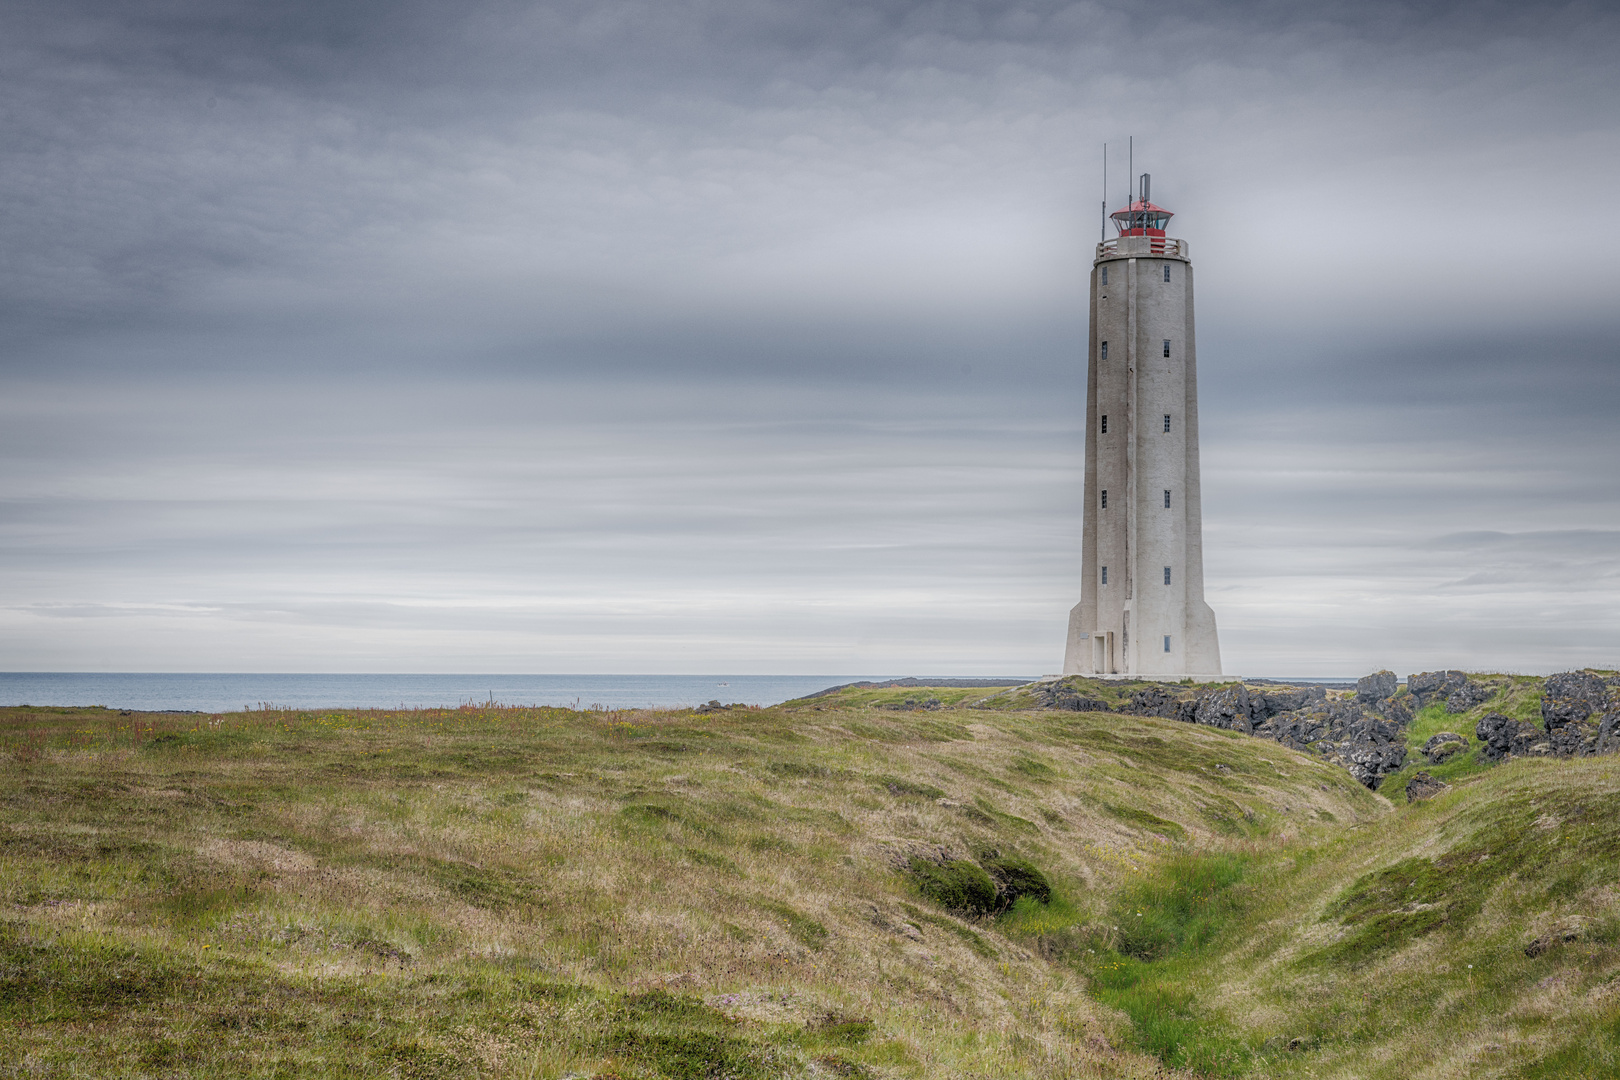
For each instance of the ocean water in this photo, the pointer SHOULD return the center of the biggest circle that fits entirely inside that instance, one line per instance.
(209, 692)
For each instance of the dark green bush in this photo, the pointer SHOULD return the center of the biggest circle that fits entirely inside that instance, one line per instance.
(959, 885)
(1016, 878)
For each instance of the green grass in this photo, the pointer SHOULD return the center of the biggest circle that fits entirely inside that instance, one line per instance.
(1519, 696)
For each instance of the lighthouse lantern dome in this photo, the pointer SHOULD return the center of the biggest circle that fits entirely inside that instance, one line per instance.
(1141, 217)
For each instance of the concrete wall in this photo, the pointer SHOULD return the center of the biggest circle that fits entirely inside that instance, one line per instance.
(1119, 627)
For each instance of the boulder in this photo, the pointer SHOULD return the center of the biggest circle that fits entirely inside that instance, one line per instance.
(1155, 700)
(1442, 746)
(1266, 703)
(1371, 689)
(1396, 709)
(1224, 707)
(1505, 737)
(1424, 786)
(1372, 750)
(1608, 740)
(1428, 685)
(1468, 695)
(1577, 712)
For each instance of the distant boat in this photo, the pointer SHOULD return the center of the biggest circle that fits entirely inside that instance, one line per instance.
(723, 684)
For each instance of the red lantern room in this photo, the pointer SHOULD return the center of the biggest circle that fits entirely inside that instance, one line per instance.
(1142, 218)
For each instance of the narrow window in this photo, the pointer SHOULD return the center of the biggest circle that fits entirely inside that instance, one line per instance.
(1167, 421)
(1167, 498)
(1104, 352)
(1105, 575)
(1167, 575)
(1167, 346)
(1105, 499)
(1167, 643)
(1105, 424)
(1167, 271)
(1104, 280)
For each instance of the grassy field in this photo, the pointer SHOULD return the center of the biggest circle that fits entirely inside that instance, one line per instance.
(788, 892)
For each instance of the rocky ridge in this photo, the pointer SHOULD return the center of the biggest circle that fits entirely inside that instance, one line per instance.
(1365, 730)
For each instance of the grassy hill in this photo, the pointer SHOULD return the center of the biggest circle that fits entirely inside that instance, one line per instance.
(846, 886)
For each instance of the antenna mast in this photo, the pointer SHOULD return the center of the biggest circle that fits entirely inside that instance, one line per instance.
(1103, 230)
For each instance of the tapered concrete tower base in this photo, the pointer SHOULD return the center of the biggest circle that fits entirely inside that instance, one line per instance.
(1142, 612)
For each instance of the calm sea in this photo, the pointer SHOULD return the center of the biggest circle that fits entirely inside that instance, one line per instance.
(226, 692)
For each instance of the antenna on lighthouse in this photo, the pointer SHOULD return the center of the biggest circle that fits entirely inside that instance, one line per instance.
(1104, 230)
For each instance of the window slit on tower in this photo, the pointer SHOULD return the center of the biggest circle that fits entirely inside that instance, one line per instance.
(1105, 423)
(1167, 643)
(1105, 575)
(1167, 346)
(1104, 280)
(1167, 498)
(1167, 421)
(1105, 499)
(1167, 271)
(1167, 575)
(1103, 353)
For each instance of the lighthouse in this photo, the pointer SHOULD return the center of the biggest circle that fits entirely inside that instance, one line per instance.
(1141, 612)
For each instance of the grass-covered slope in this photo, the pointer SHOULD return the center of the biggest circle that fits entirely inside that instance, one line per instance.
(1475, 934)
(840, 887)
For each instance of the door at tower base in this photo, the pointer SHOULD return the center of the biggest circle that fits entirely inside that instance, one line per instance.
(1142, 612)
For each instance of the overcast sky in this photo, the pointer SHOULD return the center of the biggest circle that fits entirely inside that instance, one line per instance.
(749, 335)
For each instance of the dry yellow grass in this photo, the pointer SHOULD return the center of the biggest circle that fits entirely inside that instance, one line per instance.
(546, 893)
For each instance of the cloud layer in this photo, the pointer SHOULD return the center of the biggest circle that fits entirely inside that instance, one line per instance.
(691, 336)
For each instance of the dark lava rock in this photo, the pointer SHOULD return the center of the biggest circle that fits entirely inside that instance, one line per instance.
(1442, 746)
(1226, 707)
(1580, 713)
(1505, 737)
(1345, 733)
(1428, 685)
(1424, 786)
(1264, 704)
(1397, 710)
(1371, 689)
(1468, 695)
(1152, 701)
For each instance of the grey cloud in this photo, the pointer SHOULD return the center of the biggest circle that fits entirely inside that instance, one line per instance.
(637, 335)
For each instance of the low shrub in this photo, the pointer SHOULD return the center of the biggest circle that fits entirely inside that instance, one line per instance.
(958, 885)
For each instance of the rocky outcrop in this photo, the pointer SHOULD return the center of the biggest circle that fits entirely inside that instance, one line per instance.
(1343, 731)
(1154, 700)
(1469, 695)
(1228, 707)
(1366, 733)
(1443, 746)
(1397, 710)
(1371, 689)
(1264, 704)
(1580, 711)
(1064, 694)
(1425, 686)
(1424, 786)
(1504, 737)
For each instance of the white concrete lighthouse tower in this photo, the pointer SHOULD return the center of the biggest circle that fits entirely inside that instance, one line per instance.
(1142, 612)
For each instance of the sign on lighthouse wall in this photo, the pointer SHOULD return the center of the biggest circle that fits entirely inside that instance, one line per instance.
(1142, 612)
